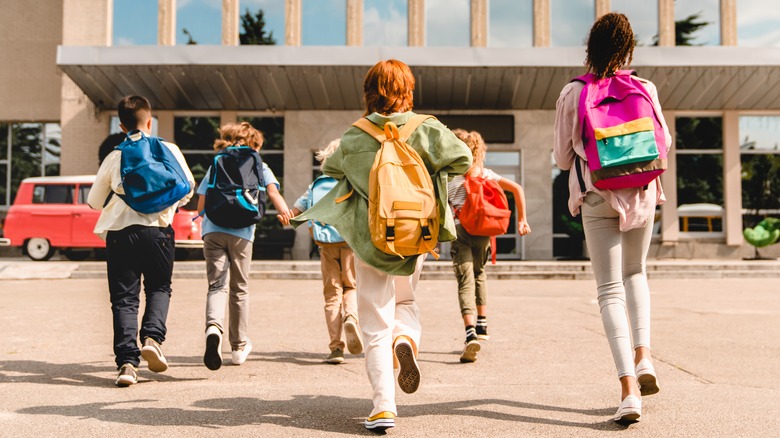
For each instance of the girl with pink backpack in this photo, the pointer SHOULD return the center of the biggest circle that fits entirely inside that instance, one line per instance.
(611, 134)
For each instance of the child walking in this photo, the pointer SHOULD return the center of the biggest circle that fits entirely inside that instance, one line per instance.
(228, 254)
(618, 223)
(337, 262)
(470, 253)
(137, 245)
(386, 284)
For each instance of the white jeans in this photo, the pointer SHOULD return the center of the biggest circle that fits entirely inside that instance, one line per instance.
(619, 265)
(386, 309)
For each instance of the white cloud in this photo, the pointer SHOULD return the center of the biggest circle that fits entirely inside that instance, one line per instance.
(447, 23)
(386, 28)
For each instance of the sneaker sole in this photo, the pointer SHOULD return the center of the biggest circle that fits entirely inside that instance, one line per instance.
(380, 425)
(335, 361)
(155, 362)
(483, 337)
(354, 344)
(628, 418)
(648, 384)
(470, 353)
(409, 374)
(125, 382)
(212, 358)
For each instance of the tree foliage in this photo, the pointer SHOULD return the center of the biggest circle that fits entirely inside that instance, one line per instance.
(253, 30)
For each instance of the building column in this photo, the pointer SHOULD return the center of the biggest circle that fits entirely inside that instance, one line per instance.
(670, 222)
(479, 23)
(666, 23)
(728, 22)
(732, 179)
(84, 126)
(354, 22)
(541, 23)
(165, 125)
(602, 7)
(230, 22)
(292, 22)
(166, 22)
(226, 117)
(416, 23)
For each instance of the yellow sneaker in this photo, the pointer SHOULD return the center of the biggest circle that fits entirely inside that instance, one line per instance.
(381, 421)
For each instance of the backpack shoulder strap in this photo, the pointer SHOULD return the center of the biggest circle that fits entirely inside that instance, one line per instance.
(406, 131)
(371, 129)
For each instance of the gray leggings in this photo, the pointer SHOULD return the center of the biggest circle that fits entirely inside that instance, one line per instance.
(619, 265)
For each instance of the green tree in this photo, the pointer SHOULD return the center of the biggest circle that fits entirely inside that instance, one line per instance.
(253, 32)
(190, 41)
(685, 30)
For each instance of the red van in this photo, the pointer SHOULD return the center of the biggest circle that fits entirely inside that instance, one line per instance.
(51, 212)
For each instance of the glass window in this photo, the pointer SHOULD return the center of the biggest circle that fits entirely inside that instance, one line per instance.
(758, 24)
(760, 148)
(3, 141)
(84, 193)
(447, 23)
(697, 22)
(114, 127)
(135, 22)
(324, 22)
(195, 137)
(52, 148)
(511, 23)
(53, 194)
(699, 150)
(643, 16)
(272, 14)
(25, 153)
(199, 22)
(570, 21)
(385, 23)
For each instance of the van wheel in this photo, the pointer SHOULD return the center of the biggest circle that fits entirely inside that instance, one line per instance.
(76, 255)
(39, 249)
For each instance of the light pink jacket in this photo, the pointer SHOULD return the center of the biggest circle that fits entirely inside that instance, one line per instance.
(634, 206)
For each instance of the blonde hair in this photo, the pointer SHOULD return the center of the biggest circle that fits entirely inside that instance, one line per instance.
(243, 134)
(323, 154)
(474, 141)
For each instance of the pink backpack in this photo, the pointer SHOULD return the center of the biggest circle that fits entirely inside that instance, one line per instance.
(624, 141)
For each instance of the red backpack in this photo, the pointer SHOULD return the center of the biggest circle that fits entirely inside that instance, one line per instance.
(486, 209)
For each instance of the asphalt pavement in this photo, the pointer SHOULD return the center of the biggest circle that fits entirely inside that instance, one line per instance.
(545, 372)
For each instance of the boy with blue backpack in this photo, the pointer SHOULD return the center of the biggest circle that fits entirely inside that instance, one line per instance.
(232, 201)
(150, 179)
(337, 262)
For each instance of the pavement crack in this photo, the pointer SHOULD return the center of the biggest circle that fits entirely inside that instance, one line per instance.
(690, 373)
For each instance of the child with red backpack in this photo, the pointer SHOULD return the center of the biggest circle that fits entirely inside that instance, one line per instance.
(337, 263)
(232, 201)
(611, 133)
(470, 251)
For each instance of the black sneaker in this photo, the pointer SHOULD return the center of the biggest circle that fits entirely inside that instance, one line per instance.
(212, 358)
(128, 375)
(482, 332)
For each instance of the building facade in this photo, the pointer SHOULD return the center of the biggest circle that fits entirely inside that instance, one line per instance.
(492, 65)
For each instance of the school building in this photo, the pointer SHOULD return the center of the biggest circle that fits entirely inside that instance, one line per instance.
(496, 66)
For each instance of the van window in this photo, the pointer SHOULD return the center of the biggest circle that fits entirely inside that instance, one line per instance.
(83, 193)
(53, 194)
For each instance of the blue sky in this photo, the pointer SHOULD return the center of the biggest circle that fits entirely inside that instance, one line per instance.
(385, 21)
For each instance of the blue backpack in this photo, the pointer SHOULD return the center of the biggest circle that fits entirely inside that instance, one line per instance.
(235, 197)
(321, 232)
(152, 177)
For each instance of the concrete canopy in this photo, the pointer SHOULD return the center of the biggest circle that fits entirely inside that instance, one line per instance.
(257, 78)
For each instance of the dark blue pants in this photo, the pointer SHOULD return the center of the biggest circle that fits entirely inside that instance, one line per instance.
(131, 253)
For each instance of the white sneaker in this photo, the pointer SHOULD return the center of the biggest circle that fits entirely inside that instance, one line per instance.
(645, 376)
(239, 356)
(352, 332)
(629, 410)
(212, 358)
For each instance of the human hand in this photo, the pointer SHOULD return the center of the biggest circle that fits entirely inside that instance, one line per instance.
(523, 228)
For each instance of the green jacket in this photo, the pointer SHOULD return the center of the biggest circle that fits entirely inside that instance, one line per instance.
(441, 151)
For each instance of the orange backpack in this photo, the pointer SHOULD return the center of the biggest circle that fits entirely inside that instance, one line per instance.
(402, 209)
(485, 211)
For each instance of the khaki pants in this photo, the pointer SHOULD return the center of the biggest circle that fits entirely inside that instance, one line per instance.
(337, 262)
(469, 256)
(227, 253)
(387, 310)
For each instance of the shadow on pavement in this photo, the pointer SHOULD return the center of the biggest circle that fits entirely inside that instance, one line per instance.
(71, 374)
(320, 413)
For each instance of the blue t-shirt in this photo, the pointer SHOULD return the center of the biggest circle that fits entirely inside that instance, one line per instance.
(247, 233)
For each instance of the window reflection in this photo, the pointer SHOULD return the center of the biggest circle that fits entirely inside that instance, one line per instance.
(385, 23)
(273, 18)
(510, 23)
(704, 16)
(760, 149)
(570, 21)
(447, 23)
(135, 22)
(199, 22)
(324, 22)
(643, 16)
(757, 24)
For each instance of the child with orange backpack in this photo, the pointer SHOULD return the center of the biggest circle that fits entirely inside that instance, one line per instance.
(475, 228)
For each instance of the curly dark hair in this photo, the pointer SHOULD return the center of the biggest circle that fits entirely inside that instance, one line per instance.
(610, 44)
